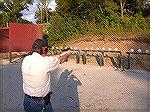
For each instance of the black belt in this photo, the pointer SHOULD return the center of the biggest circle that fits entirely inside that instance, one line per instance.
(33, 97)
(46, 98)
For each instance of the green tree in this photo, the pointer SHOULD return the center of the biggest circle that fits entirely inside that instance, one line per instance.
(84, 9)
(97, 17)
(146, 9)
(44, 12)
(11, 11)
(122, 6)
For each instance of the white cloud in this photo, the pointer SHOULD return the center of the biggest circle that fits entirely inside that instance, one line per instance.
(32, 9)
(30, 14)
(29, 17)
(52, 4)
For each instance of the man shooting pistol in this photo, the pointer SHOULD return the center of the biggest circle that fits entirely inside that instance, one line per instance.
(36, 79)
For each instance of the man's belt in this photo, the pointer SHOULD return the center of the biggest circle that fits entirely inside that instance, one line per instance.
(35, 98)
(46, 98)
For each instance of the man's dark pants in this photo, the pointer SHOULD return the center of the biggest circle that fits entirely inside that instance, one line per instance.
(33, 105)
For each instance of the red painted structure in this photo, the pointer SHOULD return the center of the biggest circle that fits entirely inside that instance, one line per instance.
(19, 37)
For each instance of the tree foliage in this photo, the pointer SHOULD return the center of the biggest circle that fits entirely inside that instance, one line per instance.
(10, 11)
(73, 18)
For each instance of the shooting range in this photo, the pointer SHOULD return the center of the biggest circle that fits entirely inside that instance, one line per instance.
(93, 78)
(109, 66)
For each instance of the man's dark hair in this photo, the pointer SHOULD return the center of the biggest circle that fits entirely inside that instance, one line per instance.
(40, 46)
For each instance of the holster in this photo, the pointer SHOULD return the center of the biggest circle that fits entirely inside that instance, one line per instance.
(47, 98)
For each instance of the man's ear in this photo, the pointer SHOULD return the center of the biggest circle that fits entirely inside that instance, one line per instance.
(44, 50)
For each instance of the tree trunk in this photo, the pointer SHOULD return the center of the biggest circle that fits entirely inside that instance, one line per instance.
(121, 6)
(100, 8)
(122, 3)
(46, 8)
(41, 11)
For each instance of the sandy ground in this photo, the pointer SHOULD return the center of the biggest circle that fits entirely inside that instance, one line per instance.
(81, 88)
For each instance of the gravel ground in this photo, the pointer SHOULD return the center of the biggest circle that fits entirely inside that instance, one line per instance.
(81, 88)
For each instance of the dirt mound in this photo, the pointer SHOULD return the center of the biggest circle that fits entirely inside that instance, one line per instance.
(123, 45)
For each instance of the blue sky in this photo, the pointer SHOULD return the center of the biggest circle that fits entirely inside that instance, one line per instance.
(29, 14)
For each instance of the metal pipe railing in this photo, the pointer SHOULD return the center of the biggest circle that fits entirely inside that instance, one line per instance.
(101, 54)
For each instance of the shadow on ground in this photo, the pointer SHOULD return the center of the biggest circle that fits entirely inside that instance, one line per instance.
(65, 89)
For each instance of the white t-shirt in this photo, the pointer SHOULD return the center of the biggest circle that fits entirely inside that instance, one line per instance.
(36, 79)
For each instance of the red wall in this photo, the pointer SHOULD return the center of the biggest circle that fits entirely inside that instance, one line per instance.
(21, 37)
(4, 39)
(4, 44)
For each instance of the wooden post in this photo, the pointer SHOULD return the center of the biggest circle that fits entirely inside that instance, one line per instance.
(10, 53)
(129, 61)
